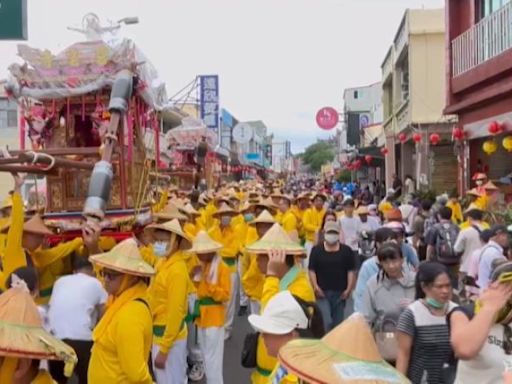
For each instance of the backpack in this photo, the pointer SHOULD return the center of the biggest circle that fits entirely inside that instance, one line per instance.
(444, 244)
(384, 332)
(429, 223)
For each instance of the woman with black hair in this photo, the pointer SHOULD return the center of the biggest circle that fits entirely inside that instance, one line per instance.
(422, 331)
(391, 290)
(287, 317)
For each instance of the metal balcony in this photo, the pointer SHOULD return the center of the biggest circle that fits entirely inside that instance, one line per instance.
(487, 39)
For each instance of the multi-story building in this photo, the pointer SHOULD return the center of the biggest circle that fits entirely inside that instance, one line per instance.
(413, 85)
(362, 113)
(9, 135)
(282, 156)
(479, 82)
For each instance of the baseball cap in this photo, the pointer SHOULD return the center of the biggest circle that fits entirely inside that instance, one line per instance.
(331, 226)
(282, 315)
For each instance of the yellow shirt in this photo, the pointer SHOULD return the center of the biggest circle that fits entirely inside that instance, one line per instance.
(168, 294)
(253, 279)
(299, 214)
(237, 220)
(190, 230)
(230, 240)
(482, 202)
(289, 221)
(43, 377)
(164, 196)
(120, 356)
(212, 297)
(467, 224)
(48, 262)
(300, 287)
(456, 211)
(311, 222)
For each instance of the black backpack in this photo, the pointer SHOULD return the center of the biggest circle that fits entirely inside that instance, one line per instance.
(444, 244)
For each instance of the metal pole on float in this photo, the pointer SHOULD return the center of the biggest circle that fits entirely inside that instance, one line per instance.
(100, 183)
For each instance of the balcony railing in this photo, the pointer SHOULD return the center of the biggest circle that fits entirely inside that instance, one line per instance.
(487, 39)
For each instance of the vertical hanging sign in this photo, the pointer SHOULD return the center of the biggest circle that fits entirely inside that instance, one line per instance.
(209, 98)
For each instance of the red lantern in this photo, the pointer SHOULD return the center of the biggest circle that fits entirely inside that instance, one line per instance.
(384, 151)
(402, 137)
(368, 159)
(416, 137)
(494, 128)
(435, 138)
(458, 133)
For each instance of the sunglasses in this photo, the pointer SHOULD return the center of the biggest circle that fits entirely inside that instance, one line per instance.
(110, 275)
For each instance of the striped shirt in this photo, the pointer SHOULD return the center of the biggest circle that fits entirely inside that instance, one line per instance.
(431, 347)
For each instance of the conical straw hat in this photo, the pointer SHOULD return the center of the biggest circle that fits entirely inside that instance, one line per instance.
(265, 218)
(267, 204)
(170, 212)
(276, 239)
(348, 354)
(190, 210)
(203, 243)
(172, 226)
(125, 257)
(21, 331)
(225, 210)
(34, 225)
(244, 208)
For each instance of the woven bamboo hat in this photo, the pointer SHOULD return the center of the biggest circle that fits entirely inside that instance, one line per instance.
(22, 334)
(125, 257)
(170, 212)
(172, 226)
(189, 210)
(276, 238)
(320, 195)
(264, 218)
(245, 207)
(225, 210)
(203, 243)
(34, 225)
(346, 355)
(267, 204)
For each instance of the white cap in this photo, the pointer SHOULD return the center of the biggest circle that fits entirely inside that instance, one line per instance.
(282, 315)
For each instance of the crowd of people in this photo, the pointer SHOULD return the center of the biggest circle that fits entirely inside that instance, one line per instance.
(429, 282)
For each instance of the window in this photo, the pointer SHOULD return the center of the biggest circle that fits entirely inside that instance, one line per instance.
(486, 7)
(356, 94)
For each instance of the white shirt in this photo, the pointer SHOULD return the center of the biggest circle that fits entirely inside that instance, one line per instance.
(490, 252)
(488, 366)
(467, 242)
(351, 227)
(73, 307)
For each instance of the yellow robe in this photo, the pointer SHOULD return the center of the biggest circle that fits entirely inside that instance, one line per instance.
(212, 297)
(48, 262)
(229, 238)
(457, 217)
(120, 354)
(300, 287)
(311, 222)
(168, 297)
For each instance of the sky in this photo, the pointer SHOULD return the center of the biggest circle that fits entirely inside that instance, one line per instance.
(278, 60)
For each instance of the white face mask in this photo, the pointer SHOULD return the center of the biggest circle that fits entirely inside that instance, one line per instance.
(160, 248)
(225, 220)
(331, 238)
(479, 182)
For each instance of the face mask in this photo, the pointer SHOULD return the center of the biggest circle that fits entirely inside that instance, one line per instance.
(331, 238)
(434, 303)
(248, 217)
(225, 220)
(479, 182)
(160, 248)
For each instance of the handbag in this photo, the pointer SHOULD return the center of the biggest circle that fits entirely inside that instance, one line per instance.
(249, 350)
(385, 338)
